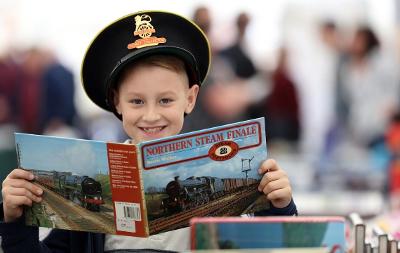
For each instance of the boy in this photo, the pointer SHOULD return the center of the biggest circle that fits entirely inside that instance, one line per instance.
(147, 69)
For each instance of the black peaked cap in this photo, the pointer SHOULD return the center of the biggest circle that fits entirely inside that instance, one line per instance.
(119, 44)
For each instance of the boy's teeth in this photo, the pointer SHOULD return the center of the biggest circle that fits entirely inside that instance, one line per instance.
(152, 129)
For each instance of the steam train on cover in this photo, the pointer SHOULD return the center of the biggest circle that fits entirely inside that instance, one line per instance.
(196, 191)
(82, 190)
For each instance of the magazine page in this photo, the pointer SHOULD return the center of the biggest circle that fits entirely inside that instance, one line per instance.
(145, 189)
(88, 185)
(212, 172)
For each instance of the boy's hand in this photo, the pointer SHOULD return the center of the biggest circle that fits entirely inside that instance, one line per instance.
(275, 184)
(17, 191)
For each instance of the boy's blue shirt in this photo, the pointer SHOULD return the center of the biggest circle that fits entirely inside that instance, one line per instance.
(19, 238)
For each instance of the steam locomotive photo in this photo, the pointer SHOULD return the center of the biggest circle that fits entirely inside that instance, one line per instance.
(196, 191)
(82, 190)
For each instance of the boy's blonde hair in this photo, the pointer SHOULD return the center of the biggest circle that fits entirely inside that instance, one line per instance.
(169, 62)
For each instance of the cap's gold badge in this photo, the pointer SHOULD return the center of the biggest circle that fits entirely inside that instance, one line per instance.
(144, 30)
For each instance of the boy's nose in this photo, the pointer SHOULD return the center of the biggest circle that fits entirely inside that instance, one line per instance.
(151, 114)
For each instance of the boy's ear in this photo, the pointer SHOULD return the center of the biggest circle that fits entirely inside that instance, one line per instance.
(116, 102)
(191, 98)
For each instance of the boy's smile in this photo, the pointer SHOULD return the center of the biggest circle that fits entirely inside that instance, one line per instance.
(153, 100)
(152, 132)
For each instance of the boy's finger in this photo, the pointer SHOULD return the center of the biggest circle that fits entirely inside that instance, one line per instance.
(271, 176)
(274, 176)
(21, 174)
(264, 181)
(18, 201)
(279, 193)
(19, 183)
(268, 165)
(21, 192)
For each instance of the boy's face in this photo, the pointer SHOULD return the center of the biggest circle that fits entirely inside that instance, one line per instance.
(152, 101)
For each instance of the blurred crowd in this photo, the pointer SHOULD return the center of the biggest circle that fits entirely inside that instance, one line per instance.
(37, 93)
(38, 96)
(339, 104)
(353, 103)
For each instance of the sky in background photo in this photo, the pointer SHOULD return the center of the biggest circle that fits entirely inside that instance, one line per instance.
(81, 157)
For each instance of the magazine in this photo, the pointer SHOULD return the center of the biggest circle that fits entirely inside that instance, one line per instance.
(213, 233)
(147, 188)
(280, 250)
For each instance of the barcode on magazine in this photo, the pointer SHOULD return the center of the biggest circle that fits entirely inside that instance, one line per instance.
(128, 210)
(131, 212)
(126, 214)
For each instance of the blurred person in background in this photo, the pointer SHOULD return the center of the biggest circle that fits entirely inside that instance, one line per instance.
(330, 35)
(366, 98)
(59, 115)
(44, 97)
(236, 54)
(313, 63)
(333, 49)
(39, 91)
(233, 77)
(281, 106)
(29, 91)
(368, 90)
(202, 18)
(9, 73)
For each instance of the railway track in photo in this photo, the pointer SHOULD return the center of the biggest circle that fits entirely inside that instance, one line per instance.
(229, 205)
(66, 214)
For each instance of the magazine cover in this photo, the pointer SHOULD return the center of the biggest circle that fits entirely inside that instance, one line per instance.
(148, 188)
(268, 232)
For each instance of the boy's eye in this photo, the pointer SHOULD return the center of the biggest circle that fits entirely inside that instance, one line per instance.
(137, 101)
(165, 101)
